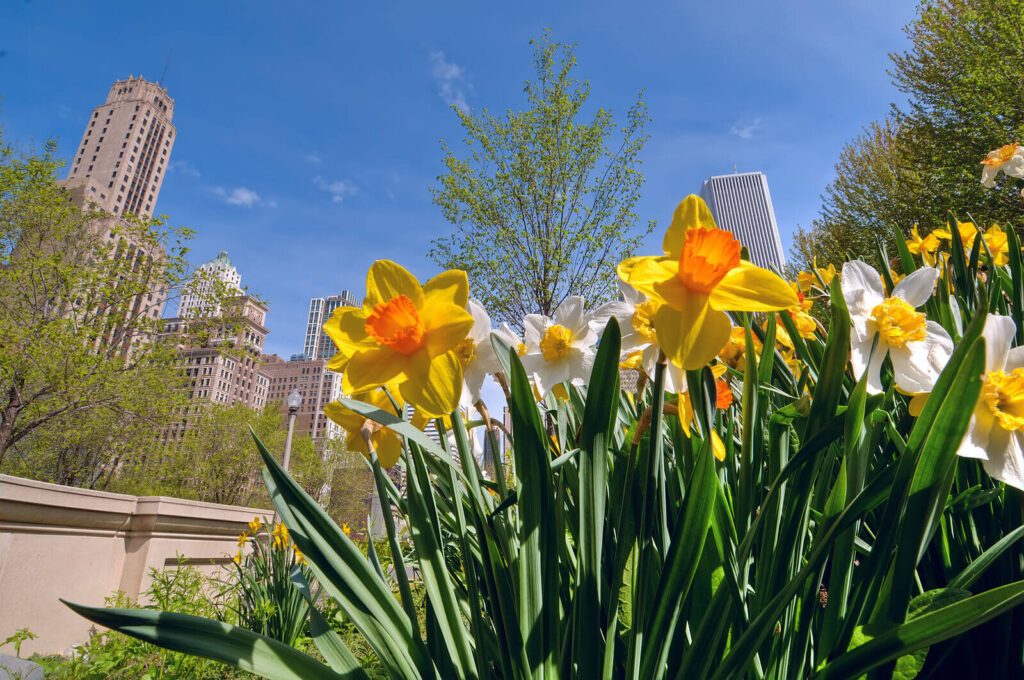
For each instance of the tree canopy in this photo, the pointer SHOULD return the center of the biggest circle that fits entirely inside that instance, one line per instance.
(542, 205)
(963, 76)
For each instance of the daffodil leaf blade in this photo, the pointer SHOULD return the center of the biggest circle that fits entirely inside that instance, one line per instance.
(906, 258)
(832, 371)
(881, 643)
(211, 640)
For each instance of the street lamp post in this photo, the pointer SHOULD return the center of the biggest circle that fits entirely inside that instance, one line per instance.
(294, 401)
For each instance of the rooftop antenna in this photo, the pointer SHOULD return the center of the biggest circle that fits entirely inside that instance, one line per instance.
(167, 65)
(734, 170)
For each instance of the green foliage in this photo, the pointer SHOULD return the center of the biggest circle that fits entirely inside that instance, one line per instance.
(84, 379)
(17, 638)
(963, 76)
(265, 600)
(543, 201)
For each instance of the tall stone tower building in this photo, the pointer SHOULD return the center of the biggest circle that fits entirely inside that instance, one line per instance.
(195, 299)
(125, 149)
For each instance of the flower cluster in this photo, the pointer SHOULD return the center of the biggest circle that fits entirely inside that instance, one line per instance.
(278, 539)
(429, 346)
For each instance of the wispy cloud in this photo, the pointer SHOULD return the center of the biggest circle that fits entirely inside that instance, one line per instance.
(745, 129)
(451, 81)
(184, 167)
(339, 189)
(242, 196)
(313, 157)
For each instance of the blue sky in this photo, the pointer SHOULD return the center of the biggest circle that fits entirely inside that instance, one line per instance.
(308, 133)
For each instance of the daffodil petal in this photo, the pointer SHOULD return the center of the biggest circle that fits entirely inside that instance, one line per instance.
(388, 446)
(975, 441)
(690, 213)
(347, 328)
(717, 446)
(862, 288)
(916, 366)
(748, 288)
(917, 287)
(451, 286)
(348, 419)
(371, 368)
(434, 384)
(1005, 460)
(691, 337)
(643, 271)
(387, 280)
(998, 334)
(446, 325)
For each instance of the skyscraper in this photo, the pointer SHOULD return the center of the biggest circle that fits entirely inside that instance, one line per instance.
(741, 204)
(195, 299)
(125, 150)
(317, 344)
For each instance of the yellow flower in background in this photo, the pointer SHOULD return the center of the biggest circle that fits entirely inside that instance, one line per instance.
(255, 525)
(966, 231)
(404, 333)
(386, 443)
(805, 281)
(732, 355)
(280, 534)
(925, 247)
(998, 245)
(237, 559)
(345, 529)
(299, 557)
(701, 276)
(826, 273)
(243, 538)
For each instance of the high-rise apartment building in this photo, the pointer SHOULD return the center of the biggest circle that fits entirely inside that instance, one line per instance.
(741, 204)
(196, 299)
(125, 149)
(318, 345)
(317, 386)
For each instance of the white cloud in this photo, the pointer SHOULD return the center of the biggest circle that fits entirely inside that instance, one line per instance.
(313, 157)
(242, 196)
(745, 129)
(451, 81)
(184, 167)
(338, 189)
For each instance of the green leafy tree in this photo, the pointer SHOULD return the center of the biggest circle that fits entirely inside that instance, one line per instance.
(80, 363)
(542, 205)
(963, 76)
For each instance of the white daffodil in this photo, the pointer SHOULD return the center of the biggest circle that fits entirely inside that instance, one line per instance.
(559, 349)
(918, 348)
(1009, 159)
(639, 339)
(476, 355)
(996, 431)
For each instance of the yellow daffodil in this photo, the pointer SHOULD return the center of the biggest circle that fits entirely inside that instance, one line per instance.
(925, 247)
(1009, 159)
(386, 443)
(825, 273)
(966, 231)
(995, 239)
(404, 333)
(732, 354)
(280, 534)
(243, 538)
(299, 557)
(345, 528)
(255, 525)
(238, 557)
(686, 419)
(805, 281)
(701, 276)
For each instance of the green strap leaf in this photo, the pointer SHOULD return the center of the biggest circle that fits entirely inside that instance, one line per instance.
(213, 640)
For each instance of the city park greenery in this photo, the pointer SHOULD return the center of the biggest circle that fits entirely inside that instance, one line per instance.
(963, 78)
(88, 380)
(543, 201)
